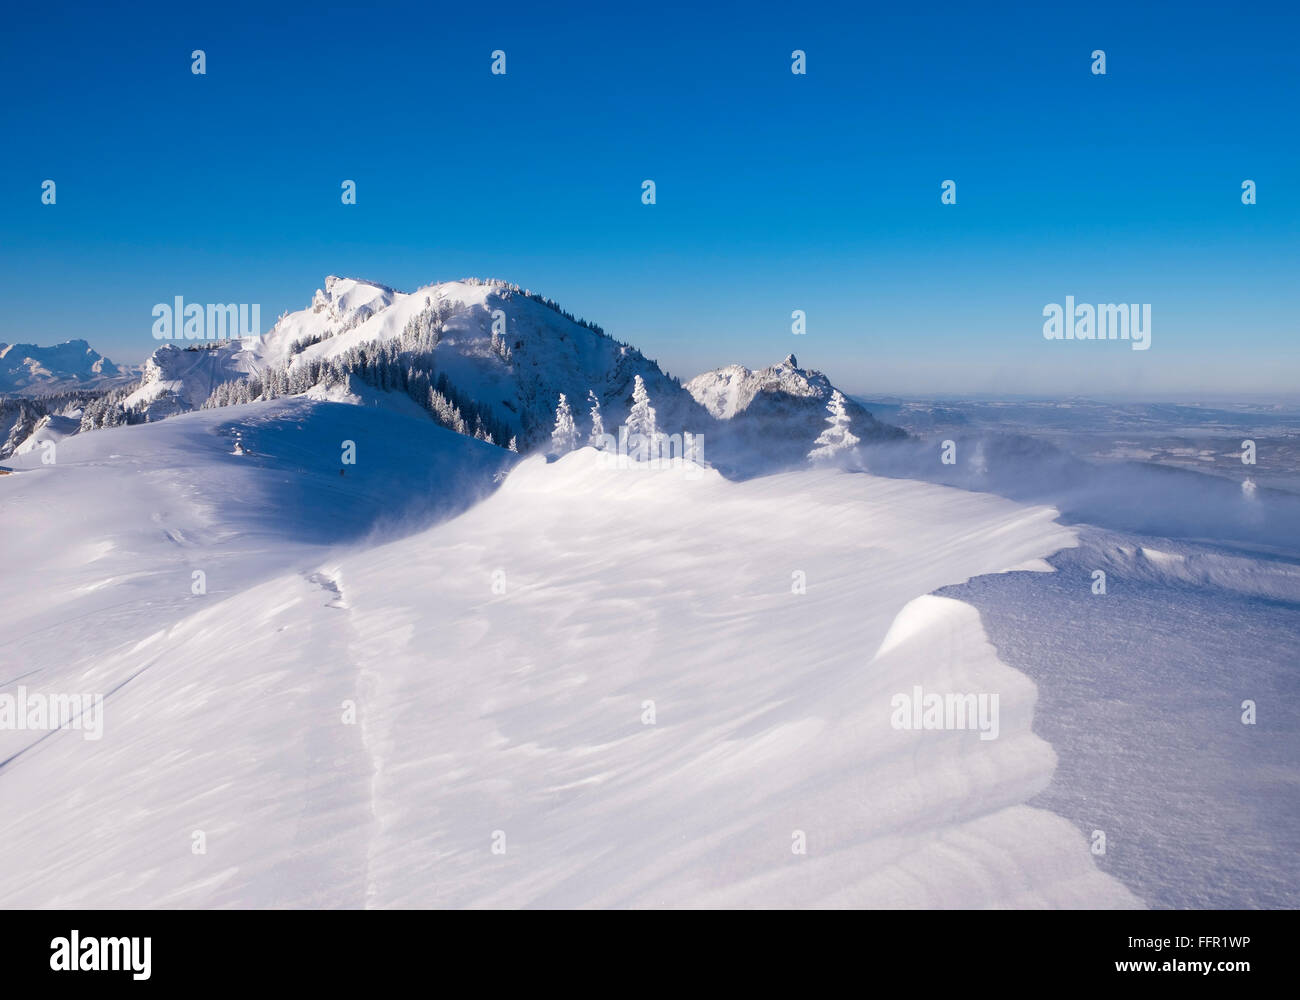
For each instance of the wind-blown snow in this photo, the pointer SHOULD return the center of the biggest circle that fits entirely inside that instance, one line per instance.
(518, 711)
(1141, 694)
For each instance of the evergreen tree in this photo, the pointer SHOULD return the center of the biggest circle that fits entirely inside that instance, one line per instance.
(564, 438)
(641, 420)
(836, 439)
(597, 424)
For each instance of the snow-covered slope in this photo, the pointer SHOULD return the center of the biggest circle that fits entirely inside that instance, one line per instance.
(110, 535)
(26, 421)
(500, 666)
(27, 368)
(51, 427)
(771, 417)
(18, 419)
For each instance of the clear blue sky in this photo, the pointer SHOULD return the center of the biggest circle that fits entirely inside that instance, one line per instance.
(775, 192)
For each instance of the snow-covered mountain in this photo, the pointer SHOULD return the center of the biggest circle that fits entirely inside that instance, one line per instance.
(29, 369)
(498, 357)
(516, 371)
(178, 379)
(773, 415)
(499, 348)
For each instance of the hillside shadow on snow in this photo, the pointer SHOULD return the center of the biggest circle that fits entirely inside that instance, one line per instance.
(329, 473)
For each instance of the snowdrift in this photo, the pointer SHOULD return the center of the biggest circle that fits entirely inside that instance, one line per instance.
(596, 687)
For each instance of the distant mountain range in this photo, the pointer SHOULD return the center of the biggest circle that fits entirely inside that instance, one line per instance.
(498, 356)
(26, 369)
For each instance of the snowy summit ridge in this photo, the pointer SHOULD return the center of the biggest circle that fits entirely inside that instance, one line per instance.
(729, 390)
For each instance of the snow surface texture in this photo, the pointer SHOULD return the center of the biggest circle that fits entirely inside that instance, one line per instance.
(1141, 693)
(500, 663)
(1142, 688)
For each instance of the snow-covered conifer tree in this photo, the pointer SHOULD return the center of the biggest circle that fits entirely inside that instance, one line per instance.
(641, 419)
(597, 424)
(565, 436)
(836, 439)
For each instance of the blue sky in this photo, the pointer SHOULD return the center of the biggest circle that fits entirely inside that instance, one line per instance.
(775, 192)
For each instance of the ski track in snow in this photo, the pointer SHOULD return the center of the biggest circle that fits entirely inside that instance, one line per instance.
(365, 693)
